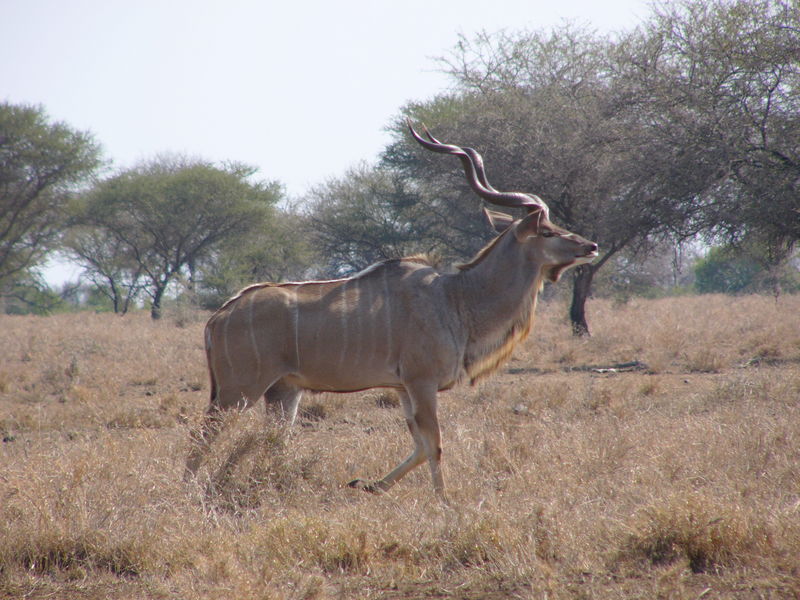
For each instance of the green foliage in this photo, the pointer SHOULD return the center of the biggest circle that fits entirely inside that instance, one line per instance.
(368, 215)
(30, 296)
(277, 252)
(725, 271)
(716, 84)
(148, 226)
(41, 164)
(745, 268)
(98, 298)
(114, 272)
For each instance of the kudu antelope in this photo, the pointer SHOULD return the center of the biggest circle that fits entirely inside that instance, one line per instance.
(398, 324)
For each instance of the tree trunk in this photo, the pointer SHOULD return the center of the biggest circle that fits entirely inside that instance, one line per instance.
(127, 302)
(155, 308)
(114, 294)
(581, 290)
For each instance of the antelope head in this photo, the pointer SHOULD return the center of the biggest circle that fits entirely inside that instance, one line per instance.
(547, 244)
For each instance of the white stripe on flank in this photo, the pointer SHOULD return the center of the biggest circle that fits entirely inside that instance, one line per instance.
(251, 327)
(343, 323)
(208, 338)
(359, 333)
(387, 301)
(226, 321)
(296, 325)
(365, 325)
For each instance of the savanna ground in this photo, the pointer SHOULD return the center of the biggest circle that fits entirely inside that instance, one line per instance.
(678, 478)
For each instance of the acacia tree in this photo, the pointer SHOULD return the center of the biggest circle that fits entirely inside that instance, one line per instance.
(41, 164)
(278, 251)
(716, 85)
(167, 215)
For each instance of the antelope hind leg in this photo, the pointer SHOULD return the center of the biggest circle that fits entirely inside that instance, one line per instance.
(281, 401)
(213, 422)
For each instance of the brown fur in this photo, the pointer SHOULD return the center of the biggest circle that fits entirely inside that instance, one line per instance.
(486, 360)
(481, 255)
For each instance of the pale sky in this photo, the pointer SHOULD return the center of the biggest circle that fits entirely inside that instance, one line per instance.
(301, 89)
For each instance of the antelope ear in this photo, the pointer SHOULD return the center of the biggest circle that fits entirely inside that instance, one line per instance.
(530, 225)
(498, 221)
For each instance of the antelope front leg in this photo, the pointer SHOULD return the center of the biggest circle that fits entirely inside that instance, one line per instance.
(416, 458)
(419, 406)
(424, 401)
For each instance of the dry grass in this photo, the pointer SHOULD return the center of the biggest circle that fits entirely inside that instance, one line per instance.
(678, 480)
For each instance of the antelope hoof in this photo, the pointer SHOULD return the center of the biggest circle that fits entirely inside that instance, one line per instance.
(360, 484)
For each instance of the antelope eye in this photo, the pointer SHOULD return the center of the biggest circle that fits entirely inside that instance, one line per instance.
(548, 234)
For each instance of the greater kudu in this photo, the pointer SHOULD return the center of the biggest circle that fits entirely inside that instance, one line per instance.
(398, 324)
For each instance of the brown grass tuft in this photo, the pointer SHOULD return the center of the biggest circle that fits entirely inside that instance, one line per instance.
(386, 399)
(709, 533)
